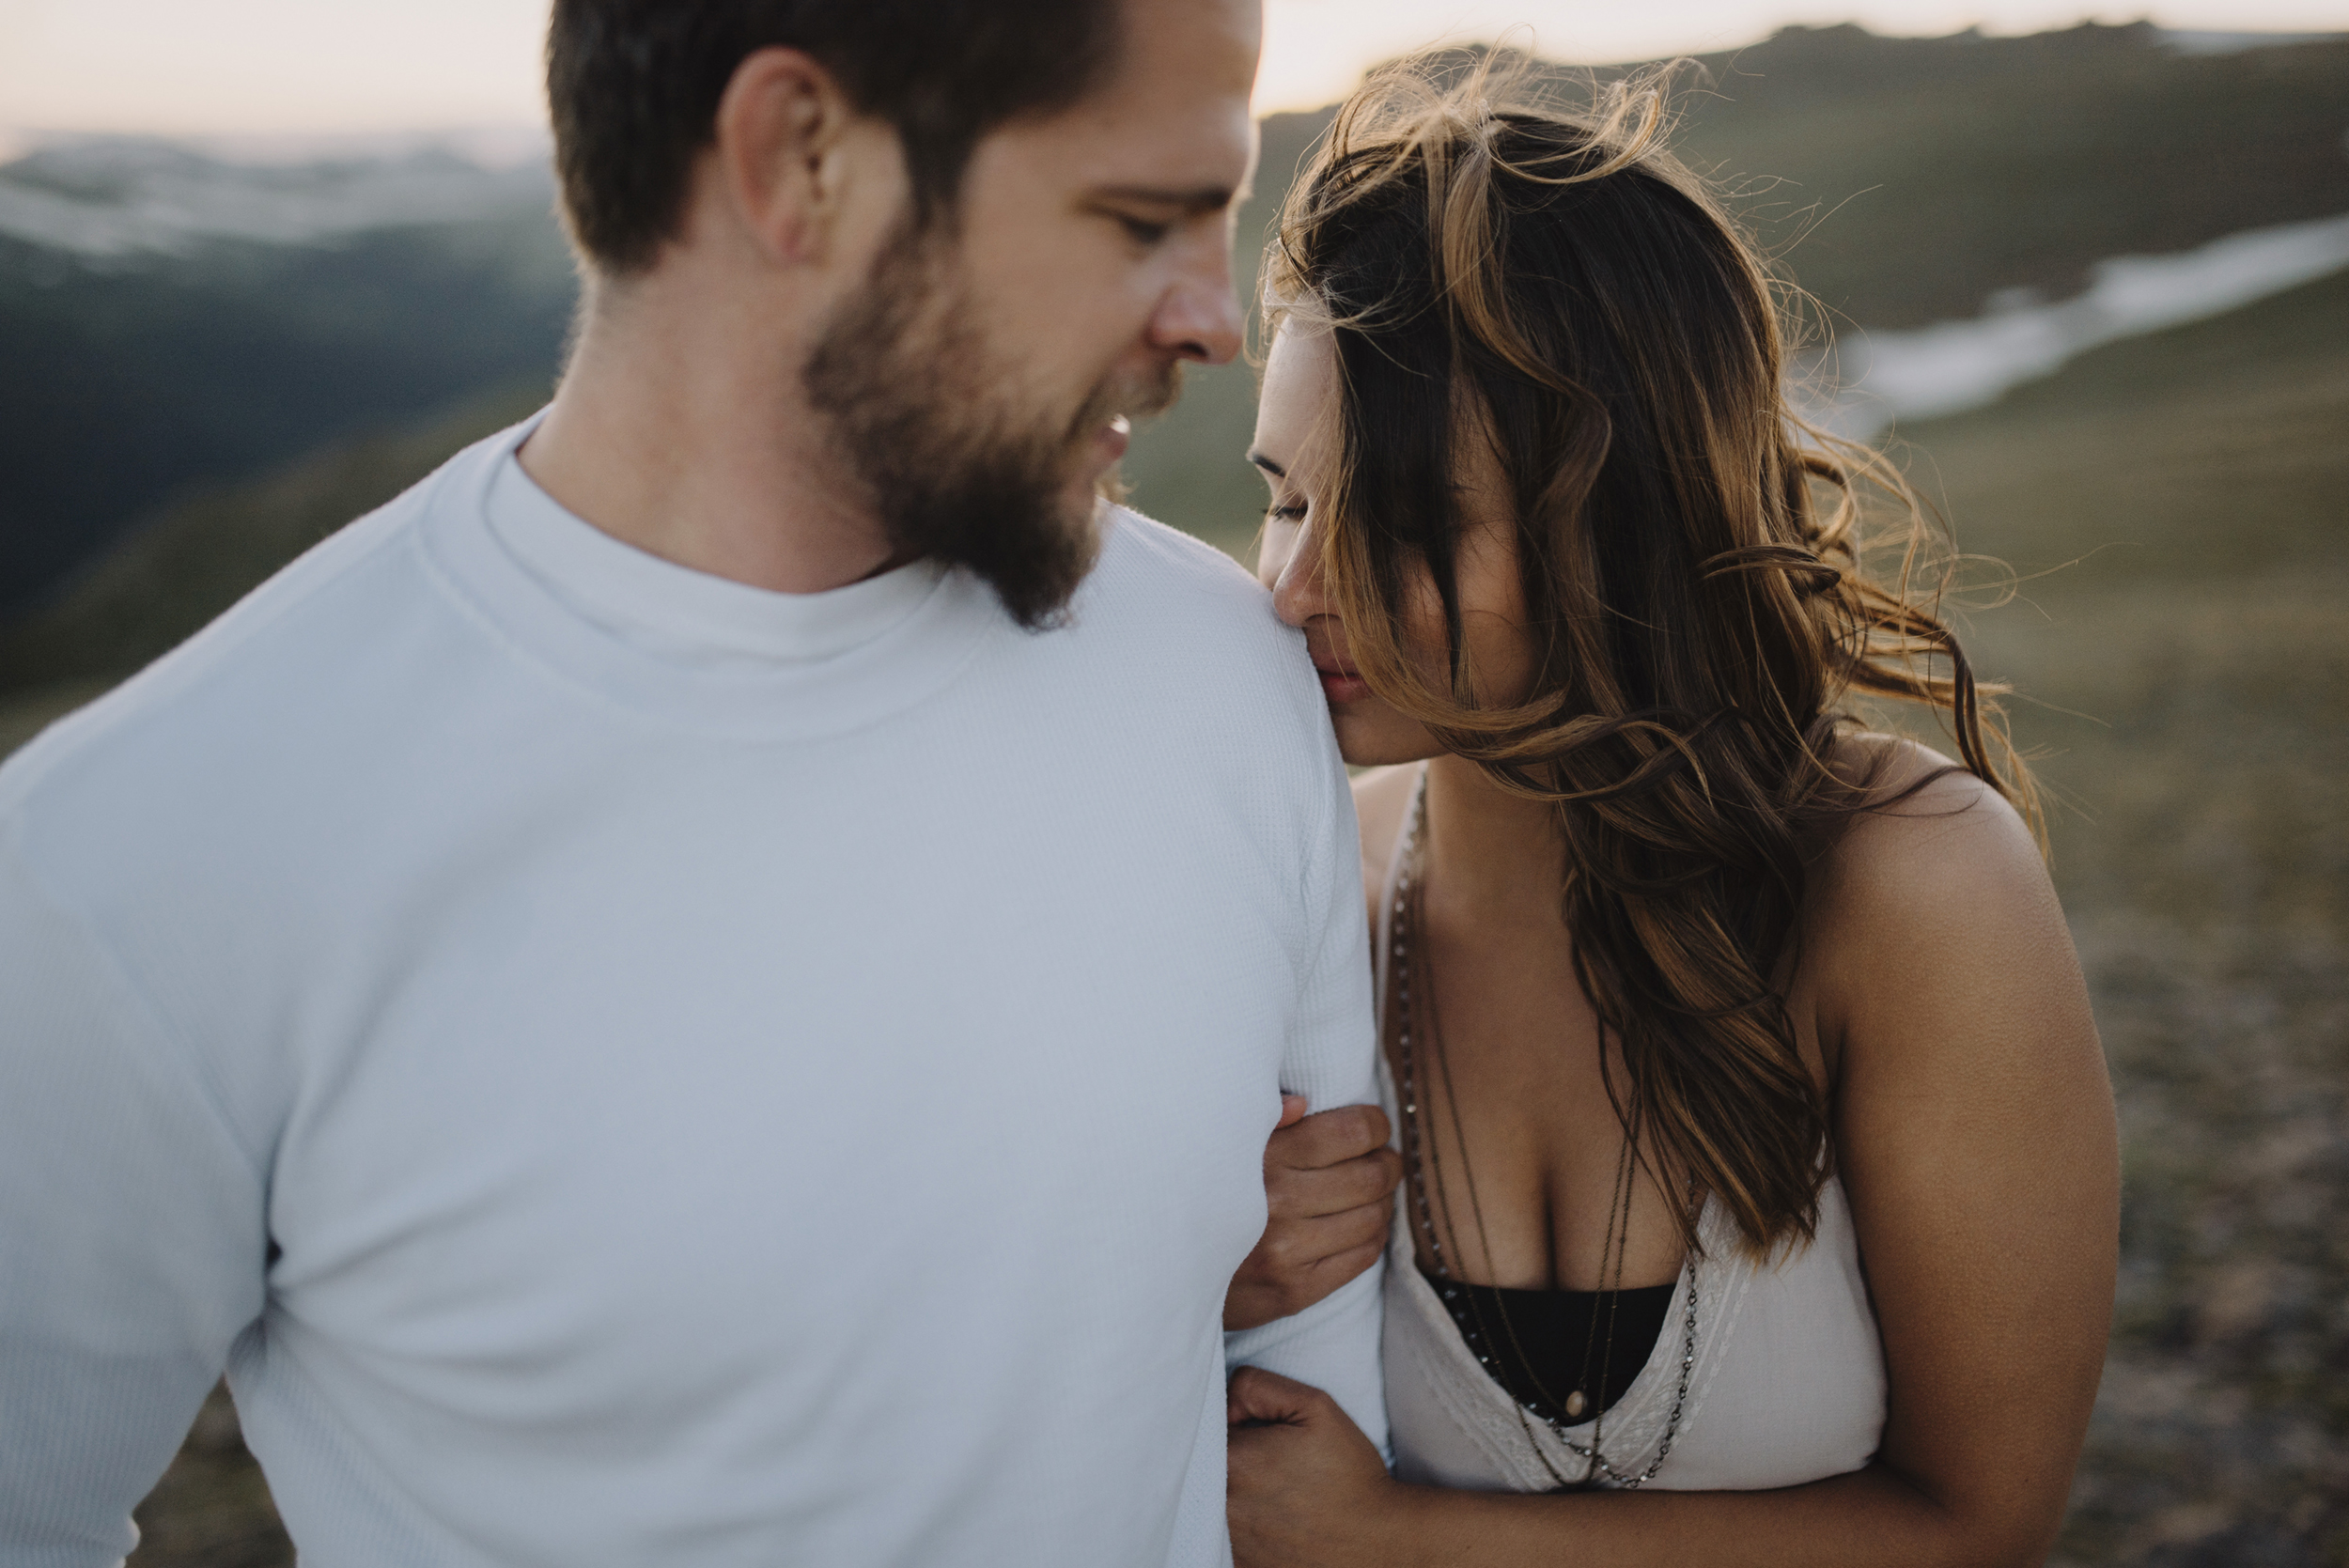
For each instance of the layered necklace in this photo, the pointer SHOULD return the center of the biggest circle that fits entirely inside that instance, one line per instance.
(1428, 1195)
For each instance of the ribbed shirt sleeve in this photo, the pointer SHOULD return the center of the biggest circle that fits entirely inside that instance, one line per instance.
(1332, 1059)
(132, 1239)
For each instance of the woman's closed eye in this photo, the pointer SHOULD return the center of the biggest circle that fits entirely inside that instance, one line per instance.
(1141, 231)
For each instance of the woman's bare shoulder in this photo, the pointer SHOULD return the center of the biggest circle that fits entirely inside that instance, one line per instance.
(1918, 810)
(1381, 796)
(1936, 870)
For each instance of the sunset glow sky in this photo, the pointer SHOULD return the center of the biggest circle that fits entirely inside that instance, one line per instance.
(281, 66)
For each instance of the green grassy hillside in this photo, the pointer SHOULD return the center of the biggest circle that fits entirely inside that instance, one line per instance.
(2216, 452)
(201, 557)
(2188, 685)
(1923, 174)
(131, 380)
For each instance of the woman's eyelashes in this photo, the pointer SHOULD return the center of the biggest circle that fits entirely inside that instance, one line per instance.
(1141, 231)
(1292, 511)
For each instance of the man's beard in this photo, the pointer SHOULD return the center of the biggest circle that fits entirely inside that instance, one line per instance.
(958, 471)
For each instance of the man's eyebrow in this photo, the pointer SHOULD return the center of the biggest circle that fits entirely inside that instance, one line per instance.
(1193, 200)
(1268, 465)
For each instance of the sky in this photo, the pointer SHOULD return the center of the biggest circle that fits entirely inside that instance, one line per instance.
(278, 67)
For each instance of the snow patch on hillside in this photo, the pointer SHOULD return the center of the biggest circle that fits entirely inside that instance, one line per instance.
(1875, 377)
(2188, 40)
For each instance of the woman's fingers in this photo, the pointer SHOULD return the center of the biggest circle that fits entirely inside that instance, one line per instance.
(1306, 1489)
(1329, 1181)
(1327, 1137)
(1297, 1263)
(1301, 1244)
(1320, 1278)
(1267, 1398)
(1292, 1192)
(1328, 1273)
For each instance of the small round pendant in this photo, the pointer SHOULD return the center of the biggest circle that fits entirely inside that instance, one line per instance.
(1576, 1403)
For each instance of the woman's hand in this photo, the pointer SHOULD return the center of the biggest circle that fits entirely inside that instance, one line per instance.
(1328, 1180)
(1306, 1488)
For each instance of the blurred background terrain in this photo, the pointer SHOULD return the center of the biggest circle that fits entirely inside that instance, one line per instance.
(2093, 287)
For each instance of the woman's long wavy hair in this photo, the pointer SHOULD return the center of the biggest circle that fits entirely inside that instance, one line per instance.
(1495, 267)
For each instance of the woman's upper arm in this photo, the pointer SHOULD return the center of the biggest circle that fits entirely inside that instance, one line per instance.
(1976, 1141)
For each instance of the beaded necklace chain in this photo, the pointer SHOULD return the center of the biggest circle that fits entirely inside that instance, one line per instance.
(1413, 1011)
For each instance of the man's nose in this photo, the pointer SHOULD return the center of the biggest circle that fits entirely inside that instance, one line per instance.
(1199, 317)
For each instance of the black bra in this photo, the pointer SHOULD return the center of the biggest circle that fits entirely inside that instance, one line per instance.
(1539, 1355)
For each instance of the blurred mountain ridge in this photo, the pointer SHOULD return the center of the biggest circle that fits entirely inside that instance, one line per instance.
(170, 321)
(1902, 182)
(169, 580)
(108, 197)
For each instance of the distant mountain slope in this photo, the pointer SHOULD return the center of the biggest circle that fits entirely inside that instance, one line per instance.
(154, 336)
(132, 195)
(1908, 179)
(166, 582)
(2211, 453)
(1904, 181)
(1956, 167)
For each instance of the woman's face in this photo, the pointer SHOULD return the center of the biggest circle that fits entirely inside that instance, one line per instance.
(1294, 437)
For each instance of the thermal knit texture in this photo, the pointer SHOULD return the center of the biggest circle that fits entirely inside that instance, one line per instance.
(626, 1068)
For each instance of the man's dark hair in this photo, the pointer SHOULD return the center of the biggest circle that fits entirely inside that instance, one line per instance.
(633, 88)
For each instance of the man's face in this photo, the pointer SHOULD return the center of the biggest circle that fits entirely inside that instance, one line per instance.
(981, 377)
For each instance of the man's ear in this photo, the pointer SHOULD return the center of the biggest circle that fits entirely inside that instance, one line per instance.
(787, 146)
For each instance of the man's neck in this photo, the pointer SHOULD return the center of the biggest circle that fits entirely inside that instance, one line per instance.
(684, 432)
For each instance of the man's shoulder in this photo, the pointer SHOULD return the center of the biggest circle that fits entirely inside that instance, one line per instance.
(1154, 578)
(1139, 553)
(1191, 645)
(1196, 616)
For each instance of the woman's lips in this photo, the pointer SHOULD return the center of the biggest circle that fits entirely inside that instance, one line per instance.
(1339, 683)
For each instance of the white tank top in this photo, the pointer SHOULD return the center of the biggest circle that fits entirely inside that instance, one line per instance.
(1785, 1375)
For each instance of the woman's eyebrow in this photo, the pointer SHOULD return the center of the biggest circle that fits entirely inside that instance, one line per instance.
(1267, 464)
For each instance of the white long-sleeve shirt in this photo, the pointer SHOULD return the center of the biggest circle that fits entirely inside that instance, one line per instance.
(627, 1069)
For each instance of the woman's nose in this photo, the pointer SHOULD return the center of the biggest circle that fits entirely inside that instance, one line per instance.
(1297, 592)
